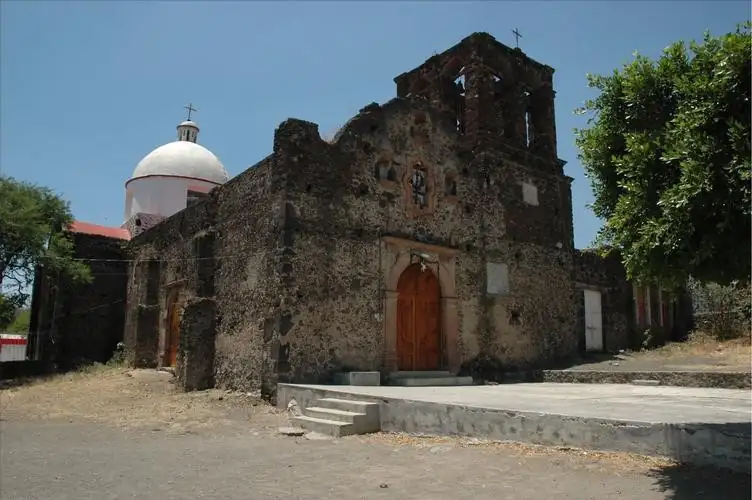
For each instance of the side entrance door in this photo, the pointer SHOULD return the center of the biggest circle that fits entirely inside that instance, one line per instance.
(593, 321)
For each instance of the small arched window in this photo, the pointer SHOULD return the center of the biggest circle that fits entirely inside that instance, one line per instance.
(385, 171)
(528, 129)
(382, 170)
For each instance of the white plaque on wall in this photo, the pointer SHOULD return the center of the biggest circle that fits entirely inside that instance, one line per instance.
(497, 278)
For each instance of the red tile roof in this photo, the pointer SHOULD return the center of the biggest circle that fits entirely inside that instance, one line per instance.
(97, 230)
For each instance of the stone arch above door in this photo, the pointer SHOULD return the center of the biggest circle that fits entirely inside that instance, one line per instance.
(442, 266)
(400, 254)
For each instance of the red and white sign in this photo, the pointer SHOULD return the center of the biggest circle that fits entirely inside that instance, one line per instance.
(12, 347)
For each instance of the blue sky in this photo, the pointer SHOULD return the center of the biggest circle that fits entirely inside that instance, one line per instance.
(89, 88)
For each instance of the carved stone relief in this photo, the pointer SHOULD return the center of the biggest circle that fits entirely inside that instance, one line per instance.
(419, 189)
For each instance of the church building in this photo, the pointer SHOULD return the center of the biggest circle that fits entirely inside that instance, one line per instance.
(432, 233)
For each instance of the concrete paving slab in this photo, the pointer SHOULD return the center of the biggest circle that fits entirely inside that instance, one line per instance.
(605, 401)
(692, 425)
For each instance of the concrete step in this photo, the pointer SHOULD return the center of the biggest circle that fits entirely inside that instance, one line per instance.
(347, 405)
(432, 381)
(347, 417)
(324, 426)
(358, 378)
(428, 374)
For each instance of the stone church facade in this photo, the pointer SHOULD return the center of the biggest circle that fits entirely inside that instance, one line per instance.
(433, 232)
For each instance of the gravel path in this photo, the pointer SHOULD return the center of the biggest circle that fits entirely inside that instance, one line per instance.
(128, 435)
(57, 461)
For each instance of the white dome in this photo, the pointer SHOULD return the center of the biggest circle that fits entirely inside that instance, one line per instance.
(182, 159)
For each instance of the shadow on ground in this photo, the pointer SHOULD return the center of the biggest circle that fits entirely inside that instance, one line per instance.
(17, 373)
(686, 482)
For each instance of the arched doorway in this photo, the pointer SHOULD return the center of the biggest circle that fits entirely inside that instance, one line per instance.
(418, 320)
(173, 330)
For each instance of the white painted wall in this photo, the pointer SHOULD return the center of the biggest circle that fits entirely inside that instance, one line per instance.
(161, 195)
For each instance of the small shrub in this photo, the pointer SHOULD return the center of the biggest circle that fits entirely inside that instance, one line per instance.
(118, 357)
(722, 311)
(651, 338)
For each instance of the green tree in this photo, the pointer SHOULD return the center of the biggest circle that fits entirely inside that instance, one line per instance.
(32, 232)
(667, 150)
(21, 323)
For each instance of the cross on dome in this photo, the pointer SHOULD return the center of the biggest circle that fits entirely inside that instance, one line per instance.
(190, 109)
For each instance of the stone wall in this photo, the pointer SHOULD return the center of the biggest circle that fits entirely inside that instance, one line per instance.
(223, 252)
(163, 266)
(195, 368)
(77, 324)
(342, 201)
(607, 276)
(250, 267)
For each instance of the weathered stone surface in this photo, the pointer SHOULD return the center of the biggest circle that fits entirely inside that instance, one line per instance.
(292, 431)
(147, 336)
(302, 252)
(195, 368)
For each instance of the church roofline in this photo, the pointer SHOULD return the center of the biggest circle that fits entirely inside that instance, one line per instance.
(80, 227)
(476, 39)
(173, 177)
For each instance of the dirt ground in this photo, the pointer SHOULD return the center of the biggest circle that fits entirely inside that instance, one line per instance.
(698, 353)
(133, 399)
(117, 433)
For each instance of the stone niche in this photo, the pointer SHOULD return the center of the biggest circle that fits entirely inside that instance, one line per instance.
(419, 187)
(195, 363)
(398, 256)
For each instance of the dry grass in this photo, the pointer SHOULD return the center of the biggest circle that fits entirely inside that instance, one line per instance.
(131, 399)
(730, 352)
(576, 458)
(699, 353)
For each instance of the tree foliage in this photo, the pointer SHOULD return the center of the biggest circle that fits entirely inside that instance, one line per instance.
(32, 232)
(667, 150)
(21, 322)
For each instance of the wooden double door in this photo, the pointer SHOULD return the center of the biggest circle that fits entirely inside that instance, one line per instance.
(418, 320)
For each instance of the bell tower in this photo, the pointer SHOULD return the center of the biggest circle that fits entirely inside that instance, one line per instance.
(497, 94)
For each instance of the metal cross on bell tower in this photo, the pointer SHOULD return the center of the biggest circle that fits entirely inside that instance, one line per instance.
(517, 37)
